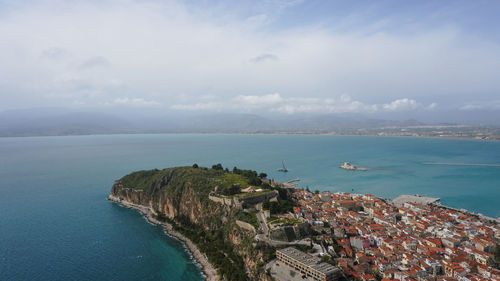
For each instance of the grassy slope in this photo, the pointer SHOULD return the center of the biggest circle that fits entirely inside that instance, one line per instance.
(216, 233)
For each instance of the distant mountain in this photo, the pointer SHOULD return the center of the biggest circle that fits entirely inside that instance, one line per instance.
(47, 122)
(22, 123)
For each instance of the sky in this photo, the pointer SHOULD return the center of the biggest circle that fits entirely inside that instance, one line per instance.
(276, 57)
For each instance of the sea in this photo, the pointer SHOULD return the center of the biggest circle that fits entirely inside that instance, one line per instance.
(56, 224)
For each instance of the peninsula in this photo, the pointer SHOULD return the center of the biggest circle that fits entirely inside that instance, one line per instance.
(213, 210)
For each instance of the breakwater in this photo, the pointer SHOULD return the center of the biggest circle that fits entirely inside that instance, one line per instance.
(461, 164)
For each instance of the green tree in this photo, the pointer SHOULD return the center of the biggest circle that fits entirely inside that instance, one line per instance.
(274, 207)
(217, 166)
(265, 204)
(254, 181)
(231, 190)
(195, 166)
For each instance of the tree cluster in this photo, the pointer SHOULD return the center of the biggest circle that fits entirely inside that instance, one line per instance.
(231, 190)
(278, 207)
(218, 167)
(253, 178)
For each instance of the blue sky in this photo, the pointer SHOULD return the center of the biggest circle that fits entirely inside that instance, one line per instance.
(287, 57)
(475, 17)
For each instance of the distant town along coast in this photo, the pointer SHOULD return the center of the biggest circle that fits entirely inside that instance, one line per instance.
(241, 225)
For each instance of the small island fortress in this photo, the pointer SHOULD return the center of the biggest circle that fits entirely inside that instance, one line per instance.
(240, 225)
(349, 166)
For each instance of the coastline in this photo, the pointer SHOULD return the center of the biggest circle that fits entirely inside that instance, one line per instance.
(467, 212)
(207, 268)
(259, 133)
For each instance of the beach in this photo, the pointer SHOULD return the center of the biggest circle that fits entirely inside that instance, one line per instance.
(208, 270)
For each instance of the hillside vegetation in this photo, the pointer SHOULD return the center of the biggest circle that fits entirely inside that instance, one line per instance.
(180, 196)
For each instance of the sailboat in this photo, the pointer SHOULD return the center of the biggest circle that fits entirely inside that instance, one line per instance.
(284, 169)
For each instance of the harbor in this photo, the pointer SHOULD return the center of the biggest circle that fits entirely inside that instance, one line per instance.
(417, 199)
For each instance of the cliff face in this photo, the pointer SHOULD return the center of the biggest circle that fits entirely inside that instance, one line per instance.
(181, 196)
(185, 205)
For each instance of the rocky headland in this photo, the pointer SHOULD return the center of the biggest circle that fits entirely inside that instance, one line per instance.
(178, 198)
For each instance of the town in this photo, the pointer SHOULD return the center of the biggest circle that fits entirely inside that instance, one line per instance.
(375, 239)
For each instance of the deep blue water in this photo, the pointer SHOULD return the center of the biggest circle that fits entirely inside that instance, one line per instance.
(55, 223)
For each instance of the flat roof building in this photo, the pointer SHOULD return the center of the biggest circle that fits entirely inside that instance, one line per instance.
(308, 265)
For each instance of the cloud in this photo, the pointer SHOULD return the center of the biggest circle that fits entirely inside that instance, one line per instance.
(54, 53)
(264, 58)
(135, 102)
(401, 105)
(432, 106)
(407, 105)
(93, 62)
(259, 100)
(471, 107)
(160, 50)
(277, 103)
(212, 106)
(481, 105)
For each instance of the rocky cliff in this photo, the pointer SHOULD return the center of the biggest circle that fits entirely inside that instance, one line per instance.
(180, 197)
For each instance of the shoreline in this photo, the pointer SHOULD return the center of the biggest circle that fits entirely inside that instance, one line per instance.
(466, 212)
(435, 203)
(207, 268)
(262, 133)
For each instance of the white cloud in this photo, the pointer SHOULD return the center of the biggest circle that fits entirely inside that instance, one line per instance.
(135, 102)
(212, 106)
(401, 105)
(277, 103)
(481, 105)
(259, 100)
(432, 106)
(407, 104)
(471, 107)
(160, 51)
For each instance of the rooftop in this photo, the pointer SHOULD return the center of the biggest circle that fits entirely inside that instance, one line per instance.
(308, 260)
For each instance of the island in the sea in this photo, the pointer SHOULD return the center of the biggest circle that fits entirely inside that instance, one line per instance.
(349, 166)
(240, 225)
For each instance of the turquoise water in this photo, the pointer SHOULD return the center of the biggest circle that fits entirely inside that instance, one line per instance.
(55, 223)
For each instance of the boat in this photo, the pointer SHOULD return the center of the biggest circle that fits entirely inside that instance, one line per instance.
(284, 169)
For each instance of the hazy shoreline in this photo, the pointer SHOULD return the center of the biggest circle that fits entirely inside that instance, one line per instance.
(254, 133)
(207, 268)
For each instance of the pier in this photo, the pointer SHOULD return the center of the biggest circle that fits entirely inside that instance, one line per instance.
(461, 164)
(290, 183)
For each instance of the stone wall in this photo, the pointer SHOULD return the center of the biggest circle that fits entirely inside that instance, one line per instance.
(290, 233)
(245, 201)
(217, 199)
(258, 198)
